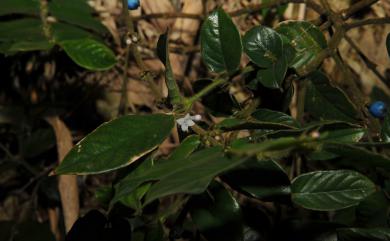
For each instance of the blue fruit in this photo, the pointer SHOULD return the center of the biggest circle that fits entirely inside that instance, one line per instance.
(378, 109)
(132, 4)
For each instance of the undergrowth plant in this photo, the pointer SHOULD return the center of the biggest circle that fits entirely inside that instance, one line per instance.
(258, 173)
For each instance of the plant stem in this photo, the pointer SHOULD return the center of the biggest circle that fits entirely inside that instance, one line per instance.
(123, 104)
(205, 91)
(133, 48)
(364, 22)
(200, 131)
(44, 13)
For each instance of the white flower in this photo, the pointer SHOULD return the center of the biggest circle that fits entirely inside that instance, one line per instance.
(188, 121)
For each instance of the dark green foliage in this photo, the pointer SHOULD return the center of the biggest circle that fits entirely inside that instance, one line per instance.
(260, 173)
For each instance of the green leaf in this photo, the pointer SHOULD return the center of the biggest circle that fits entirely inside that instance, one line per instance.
(89, 53)
(260, 119)
(270, 149)
(22, 35)
(25, 46)
(104, 195)
(117, 144)
(385, 133)
(273, 76)
(358, 157)
(25, 29)
(217, 214)
(189, 175)
(265, 180)
(344, 135)
(186, 147)
(324, 101)
(64, 31)
(8, 7)
(352, 135)
(263, 46)
(134, 199)
(361, 234)
(306, 38)
(330, 190)
(76, 12)
(267, 115)
(163, 53)
(221, 46)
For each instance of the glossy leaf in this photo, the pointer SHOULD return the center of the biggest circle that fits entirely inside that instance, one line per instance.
(360, 234)
(330, 190)
(117, 143)
(267, 115)
(76, 12)
(306, 38)
(189, 175)
(263, 46)
(232, 124)
(344, 135)
(350, 135)
(357, 157)
(186, 147)
(63, 32)
(89, 54)
(8, 7)
(217, 214)
(25, 29)
(265, 180)
(221, 46)
(273, 76)
(324, 101)
(270, 149)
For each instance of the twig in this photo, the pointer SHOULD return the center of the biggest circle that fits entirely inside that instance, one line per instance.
(250, 9)
(205, 90)
(200, 131)
(347, 13)
(16, 160)
(364, 22)
(44, 13)
(255, 8)
(146, 74)
(371, 65)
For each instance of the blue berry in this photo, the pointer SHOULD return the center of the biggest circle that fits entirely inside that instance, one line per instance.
(378, 109)
(132, 4)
